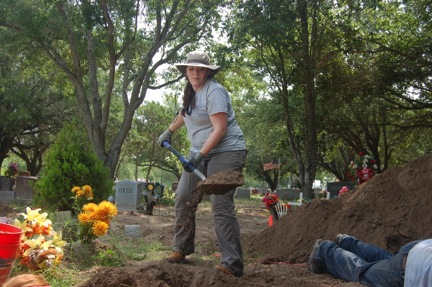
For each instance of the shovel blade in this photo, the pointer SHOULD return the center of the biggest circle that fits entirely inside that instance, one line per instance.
(221, 182)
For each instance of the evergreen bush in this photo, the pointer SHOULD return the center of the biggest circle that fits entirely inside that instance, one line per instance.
(70, 162)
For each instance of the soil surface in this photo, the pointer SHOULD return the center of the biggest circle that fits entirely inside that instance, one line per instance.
(391, 209)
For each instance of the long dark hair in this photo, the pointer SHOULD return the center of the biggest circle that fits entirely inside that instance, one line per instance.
(189, 94)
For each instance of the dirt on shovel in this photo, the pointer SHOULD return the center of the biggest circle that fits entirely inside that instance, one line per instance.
(221, 182)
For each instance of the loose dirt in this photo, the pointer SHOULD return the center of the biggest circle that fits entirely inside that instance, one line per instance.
(220, 183)
(391, 209)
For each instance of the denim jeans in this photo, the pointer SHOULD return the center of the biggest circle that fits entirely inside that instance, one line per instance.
(226, 225)
(356, 261)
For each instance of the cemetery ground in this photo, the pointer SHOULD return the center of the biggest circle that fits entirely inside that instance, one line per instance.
(389, 210)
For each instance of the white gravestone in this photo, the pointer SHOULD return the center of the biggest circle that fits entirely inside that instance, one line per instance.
(127, 195)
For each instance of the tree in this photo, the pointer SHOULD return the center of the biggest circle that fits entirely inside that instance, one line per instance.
(288, 57)
(142, 149)
(30, 105)
(71, 162)
(262, 124)
(376, 88)
(109, 49)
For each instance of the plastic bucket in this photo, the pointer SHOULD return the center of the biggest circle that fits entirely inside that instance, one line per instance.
(9, 243)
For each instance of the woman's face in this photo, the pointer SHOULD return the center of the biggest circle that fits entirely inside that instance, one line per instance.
(196, 76)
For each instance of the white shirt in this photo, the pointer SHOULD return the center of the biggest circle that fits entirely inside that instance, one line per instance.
(418, 271)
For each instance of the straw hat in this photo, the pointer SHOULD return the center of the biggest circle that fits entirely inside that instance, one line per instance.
(197, 59)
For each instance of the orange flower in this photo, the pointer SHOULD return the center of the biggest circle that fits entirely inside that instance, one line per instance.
(75, 189)
(99, 228)
(90, 207)
(84, 217)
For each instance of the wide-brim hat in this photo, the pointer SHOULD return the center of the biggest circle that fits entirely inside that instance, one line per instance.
(197, 59)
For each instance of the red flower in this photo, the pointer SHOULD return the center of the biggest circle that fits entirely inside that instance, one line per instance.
(343, 190)
(269, 199)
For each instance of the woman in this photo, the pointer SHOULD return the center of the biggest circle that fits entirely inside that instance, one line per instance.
(217, 145)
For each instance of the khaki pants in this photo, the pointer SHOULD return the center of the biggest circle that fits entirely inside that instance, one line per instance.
(223, 209)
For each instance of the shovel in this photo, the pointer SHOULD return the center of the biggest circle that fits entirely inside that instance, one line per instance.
(218, 183)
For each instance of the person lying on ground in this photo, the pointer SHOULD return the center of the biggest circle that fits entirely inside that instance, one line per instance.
(352, 260)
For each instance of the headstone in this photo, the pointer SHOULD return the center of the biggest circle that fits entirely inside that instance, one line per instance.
(334, 187)
(262, 190)
(127, 195)
(242, 192)
(7, 196)
(23, 188)
(288, 194)
(133, 230)
(6, 183)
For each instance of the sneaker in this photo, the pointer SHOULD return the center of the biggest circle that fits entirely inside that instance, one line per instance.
(315, 265)
(176, 257)
(338, 238)
(224, 269)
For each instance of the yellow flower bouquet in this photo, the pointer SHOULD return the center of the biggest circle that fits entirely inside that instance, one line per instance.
(95, 219)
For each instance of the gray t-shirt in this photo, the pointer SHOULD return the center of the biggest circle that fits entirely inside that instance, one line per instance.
(211, 99)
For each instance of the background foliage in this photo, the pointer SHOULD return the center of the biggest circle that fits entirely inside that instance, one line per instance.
(71, 162)
(332, 79)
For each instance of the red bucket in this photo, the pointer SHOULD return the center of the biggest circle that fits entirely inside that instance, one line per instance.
(10, 238)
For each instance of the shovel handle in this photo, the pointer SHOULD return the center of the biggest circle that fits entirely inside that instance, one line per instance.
(183, 160)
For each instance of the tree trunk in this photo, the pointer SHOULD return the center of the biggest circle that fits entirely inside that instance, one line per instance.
(308, 50)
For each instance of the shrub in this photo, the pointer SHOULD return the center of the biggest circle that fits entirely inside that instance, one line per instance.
(70, 162)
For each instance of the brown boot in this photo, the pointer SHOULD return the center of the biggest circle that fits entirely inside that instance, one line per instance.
(224, 269)
(176, 257)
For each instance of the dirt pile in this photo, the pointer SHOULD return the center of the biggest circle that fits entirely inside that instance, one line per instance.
(391, 209)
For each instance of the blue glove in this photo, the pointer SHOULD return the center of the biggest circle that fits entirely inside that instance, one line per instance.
(193, 163)
(165, 136)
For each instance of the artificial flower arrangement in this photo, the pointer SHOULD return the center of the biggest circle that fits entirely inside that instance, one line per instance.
(41, 247)
(363, 168)
(94, 220)
(12, 170)
(270, 199)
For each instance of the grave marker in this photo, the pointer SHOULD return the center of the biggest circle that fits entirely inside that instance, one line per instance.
(127, 195)
(133, 230)
(242, 192)
(334, 187)
(23, 188)
(288, 194)
(7, 196)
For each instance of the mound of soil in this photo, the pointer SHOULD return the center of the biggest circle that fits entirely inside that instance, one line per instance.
(389, 210)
